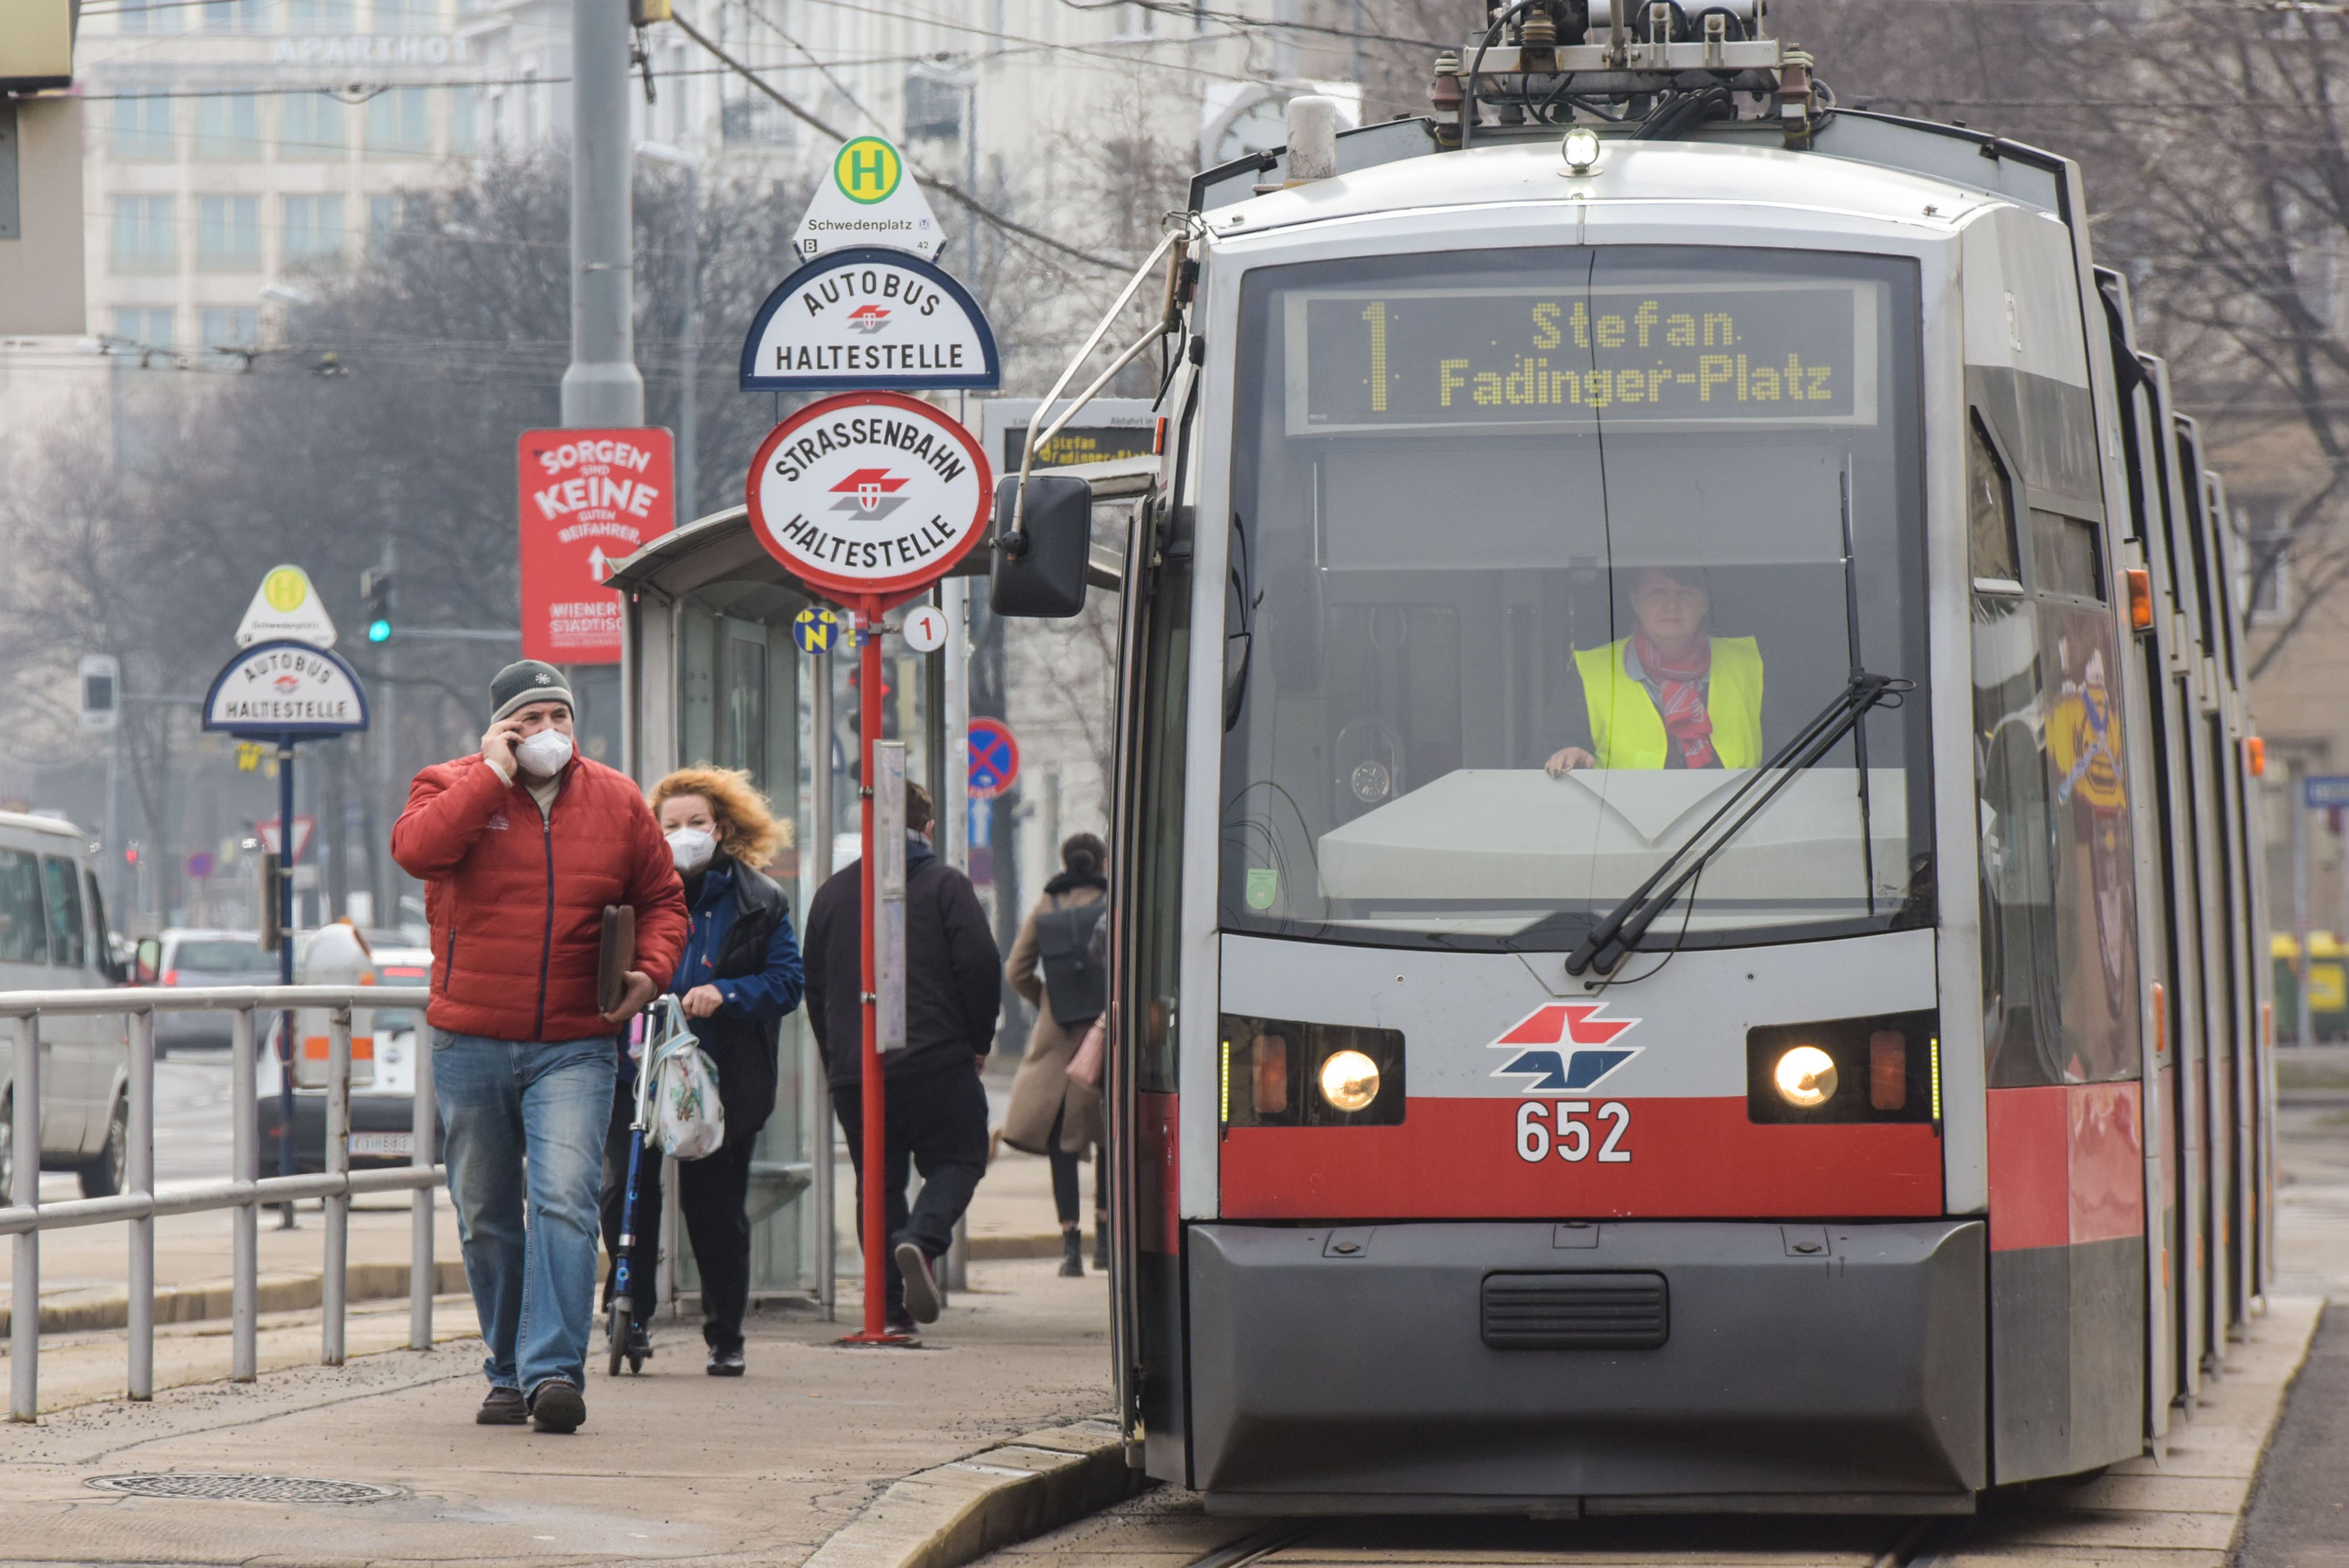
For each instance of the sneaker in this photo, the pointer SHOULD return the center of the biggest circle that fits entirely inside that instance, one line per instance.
(557, 1406)
(902, 1322)
(640, 1346)
(725, 1362)
(1072, 1255)
(503, 1408)
(921, 1285)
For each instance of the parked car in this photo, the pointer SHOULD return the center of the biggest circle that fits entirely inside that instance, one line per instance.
(54, 937)
(383, 1085)
(192, 958)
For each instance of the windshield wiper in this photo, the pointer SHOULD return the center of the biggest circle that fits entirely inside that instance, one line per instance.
(1616, 935)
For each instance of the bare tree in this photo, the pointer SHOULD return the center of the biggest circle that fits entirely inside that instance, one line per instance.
(389, 413)
(2214, 140)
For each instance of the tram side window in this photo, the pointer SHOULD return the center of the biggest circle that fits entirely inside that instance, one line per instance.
(2065, 555)
(2019, 1006)
(1989, 515)
(2059, 889)
(2096, 869)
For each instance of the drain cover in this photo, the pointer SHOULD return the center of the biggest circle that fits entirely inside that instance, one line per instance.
(243, 1488)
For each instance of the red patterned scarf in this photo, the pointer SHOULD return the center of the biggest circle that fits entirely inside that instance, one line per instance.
(1680, 696)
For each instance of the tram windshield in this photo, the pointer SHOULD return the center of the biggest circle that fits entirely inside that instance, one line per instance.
(1536, 555)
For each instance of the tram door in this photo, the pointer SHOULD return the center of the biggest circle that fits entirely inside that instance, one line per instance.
(2171, 974)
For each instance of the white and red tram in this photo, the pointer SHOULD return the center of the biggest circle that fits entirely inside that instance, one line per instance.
(1870, 1119)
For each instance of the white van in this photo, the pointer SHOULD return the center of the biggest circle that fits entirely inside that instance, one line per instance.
(53, 937)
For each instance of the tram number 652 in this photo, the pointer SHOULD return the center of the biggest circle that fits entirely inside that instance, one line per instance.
(1573, 1133)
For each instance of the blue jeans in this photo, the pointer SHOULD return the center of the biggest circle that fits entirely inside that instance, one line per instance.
(533, 1285)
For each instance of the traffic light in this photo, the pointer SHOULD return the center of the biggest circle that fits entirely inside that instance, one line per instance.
(375, 588)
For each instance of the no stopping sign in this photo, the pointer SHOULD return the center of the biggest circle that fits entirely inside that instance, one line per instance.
(994, 758)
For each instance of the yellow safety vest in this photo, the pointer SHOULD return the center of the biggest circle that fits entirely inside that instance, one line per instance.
(1628, 732)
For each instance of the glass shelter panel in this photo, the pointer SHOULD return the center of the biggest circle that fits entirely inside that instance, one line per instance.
(738, 705)
(745, 699)
(1536, 557)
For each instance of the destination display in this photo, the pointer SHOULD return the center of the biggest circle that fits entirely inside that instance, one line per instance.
(1761, 353)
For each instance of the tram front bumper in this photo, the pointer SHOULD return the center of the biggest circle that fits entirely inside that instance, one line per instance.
(1416, 1367)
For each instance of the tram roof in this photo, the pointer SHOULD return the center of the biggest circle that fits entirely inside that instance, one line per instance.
(1868, 167)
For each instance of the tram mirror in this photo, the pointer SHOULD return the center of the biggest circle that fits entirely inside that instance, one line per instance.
(1045, 579)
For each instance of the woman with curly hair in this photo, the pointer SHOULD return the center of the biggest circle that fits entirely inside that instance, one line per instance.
(738, 977)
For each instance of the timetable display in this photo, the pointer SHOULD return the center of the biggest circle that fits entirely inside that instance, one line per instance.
(1761, 353)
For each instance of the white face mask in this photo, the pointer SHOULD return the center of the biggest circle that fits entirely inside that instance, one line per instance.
(691, 848)
(544, 752)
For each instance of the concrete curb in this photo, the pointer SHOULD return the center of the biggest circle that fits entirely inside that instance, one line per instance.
(80, 1314)
(959, 1512)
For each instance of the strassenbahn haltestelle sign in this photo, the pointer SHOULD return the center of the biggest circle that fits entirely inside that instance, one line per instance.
(869, 496)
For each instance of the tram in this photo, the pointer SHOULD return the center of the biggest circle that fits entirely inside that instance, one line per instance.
(1525, 1098)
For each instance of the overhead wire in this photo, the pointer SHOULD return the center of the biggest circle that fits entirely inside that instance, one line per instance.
(945, 187)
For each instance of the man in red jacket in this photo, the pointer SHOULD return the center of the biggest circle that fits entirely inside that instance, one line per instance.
(520, 849)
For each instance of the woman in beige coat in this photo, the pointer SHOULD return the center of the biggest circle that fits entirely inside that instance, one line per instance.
(1051, 1114)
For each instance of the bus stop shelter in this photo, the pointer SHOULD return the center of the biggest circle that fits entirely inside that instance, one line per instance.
(712, 672)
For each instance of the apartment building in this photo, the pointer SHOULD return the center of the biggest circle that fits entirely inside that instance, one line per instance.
(235, 146)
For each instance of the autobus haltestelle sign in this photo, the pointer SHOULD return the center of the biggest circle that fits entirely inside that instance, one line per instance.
(868, 495)
(286, 688)
(869, 319)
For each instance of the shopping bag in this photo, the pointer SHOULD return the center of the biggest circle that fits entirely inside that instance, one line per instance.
(687, 1118)
(1085, 1066)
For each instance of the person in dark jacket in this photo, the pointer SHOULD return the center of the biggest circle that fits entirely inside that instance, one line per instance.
(738, 977)
(936, 1107)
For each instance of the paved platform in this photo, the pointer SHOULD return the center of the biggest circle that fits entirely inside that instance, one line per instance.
(670, 1466)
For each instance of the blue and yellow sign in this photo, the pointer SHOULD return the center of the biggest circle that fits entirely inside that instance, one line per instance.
(867, 170)
(819, 630)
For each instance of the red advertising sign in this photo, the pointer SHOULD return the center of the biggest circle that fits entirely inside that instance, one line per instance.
(589, 498)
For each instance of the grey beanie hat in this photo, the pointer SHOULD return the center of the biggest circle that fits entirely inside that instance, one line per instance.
(527, 680)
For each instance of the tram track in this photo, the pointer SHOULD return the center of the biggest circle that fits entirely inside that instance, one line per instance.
(1527, 1543)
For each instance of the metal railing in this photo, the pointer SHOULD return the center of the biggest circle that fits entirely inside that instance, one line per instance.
(246, 1192)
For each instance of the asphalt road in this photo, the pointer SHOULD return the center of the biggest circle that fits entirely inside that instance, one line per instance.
(192, 1123)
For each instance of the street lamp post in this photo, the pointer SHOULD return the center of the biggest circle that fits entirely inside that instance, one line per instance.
(689, 328)
(602, 388)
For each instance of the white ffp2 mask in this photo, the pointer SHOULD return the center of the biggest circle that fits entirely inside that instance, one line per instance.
(691, 848)
(544, 752)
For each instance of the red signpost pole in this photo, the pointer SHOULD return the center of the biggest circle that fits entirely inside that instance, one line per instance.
(945, 507)
(875, 1140)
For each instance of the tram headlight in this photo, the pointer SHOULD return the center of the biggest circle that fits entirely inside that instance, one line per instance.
(1580, 149)
(1805, 1077)
(1867, 1069)
(1350, 1081)
(1294, 1073)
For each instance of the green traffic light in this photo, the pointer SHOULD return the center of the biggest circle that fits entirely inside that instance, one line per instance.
(380, 630)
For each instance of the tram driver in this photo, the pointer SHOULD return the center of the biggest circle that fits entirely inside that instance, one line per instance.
(1668, 696)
